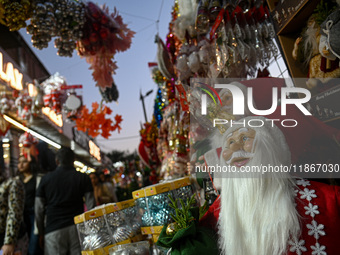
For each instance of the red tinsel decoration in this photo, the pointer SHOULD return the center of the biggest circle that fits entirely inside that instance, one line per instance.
(105, 35)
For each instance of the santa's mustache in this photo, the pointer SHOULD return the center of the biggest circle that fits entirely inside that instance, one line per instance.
(240, 154)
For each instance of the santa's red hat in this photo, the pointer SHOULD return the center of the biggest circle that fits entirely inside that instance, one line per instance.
(262, 90)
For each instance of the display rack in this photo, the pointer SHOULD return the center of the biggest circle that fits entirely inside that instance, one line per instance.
(290, 17)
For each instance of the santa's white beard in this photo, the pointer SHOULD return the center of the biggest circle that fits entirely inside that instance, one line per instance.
(258, 215)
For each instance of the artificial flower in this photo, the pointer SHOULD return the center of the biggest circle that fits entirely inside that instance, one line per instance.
(95, 122)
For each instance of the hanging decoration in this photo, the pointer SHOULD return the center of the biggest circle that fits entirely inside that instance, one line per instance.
(110, 94)
(158, 107)
(6, 104)
(24, 104)
(29, 148)
(166, 86)
(173, 142)
(95, 123)
(27, 140)
(73, 102)
(62, 19)
(105, 34)
(168, 91)
(149, 140)
(205, 40)
(53, 93)
(183, 16)
(38, 99)
(149, 133)
(173, 40)
(164, 59)
(13, 14)
(95, 33)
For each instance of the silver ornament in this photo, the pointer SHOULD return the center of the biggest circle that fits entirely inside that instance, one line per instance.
(49, 7)
(40, 8)
(141, 250)
(122, 233)
(95, 224)
(114, 219)
(127, 252)
(82, 229)
(96, 241)
(58, 13)
(30, 29)
(50, 15)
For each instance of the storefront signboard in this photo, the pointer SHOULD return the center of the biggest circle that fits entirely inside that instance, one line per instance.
(10, 74)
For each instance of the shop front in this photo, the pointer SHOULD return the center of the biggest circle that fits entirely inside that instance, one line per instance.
(27, 121)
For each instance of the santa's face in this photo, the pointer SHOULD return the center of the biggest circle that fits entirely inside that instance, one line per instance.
(239, 145)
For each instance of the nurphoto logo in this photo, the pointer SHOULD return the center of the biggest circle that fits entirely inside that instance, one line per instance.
(239, 102)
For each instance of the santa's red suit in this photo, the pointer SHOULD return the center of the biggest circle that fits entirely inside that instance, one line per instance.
(318, 206)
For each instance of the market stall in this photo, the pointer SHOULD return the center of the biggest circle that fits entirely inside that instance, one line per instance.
(214, 50)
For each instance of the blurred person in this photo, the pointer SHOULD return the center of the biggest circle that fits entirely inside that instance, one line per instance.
(111, 186)
(106, 179)
(122, 188)
(101, 192)
(13, 237)
(132, 184)
(27, 172)
(60, 197)
(46, 157)
(102, 177)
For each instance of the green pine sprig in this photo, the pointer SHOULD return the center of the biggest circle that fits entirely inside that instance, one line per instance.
(182, 216)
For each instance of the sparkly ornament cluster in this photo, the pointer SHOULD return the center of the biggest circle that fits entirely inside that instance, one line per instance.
(63, 19)
(15, 13)
(109, 228)
(155, 210)
(94, 234)
(124, 224)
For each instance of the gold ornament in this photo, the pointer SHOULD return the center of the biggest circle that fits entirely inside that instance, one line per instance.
(171, 229)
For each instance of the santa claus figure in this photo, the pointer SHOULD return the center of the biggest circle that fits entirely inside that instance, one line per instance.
(273, 212)
(262, 89)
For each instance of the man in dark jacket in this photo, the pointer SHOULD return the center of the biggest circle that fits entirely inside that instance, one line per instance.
(59, 199)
